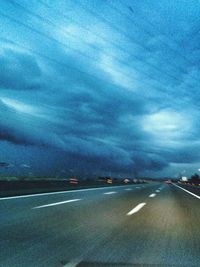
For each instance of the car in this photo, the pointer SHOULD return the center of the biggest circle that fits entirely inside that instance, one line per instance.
(168, 182)
(73, 180)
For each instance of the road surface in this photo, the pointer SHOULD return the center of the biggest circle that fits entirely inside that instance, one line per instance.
(138, 225)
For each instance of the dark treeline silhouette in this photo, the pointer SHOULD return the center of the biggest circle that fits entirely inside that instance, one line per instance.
(195, 179)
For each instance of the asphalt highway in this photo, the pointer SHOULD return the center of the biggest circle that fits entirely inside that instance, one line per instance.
(152, 225)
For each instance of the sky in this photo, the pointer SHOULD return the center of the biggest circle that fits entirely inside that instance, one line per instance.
(99, 87)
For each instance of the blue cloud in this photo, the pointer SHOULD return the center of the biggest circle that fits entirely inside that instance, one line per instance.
(80, 90)
(19, 71)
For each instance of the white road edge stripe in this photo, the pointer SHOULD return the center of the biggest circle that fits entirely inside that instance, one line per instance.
(194, 195)
(152, 195)
(109, 193)
(61, 192)
(56, 203)
(136, 209)
(72, 263)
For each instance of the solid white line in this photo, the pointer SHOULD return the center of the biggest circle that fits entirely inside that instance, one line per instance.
(136, 209)
(61, 192)
(109, 193)
(56, 203)
(152, 195)
(72, 263)
(194, 195)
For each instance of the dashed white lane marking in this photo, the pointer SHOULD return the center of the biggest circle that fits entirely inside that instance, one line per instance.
(137, 187)
(152, 195)
(128, 189)
(194, 195)
(157, 191)
(72, 263)
(110, 193)
(136, 209)
(57, 203)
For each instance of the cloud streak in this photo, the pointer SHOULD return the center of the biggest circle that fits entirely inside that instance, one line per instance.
(77, 84)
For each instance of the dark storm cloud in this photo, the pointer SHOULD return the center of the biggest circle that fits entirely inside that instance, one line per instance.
(14, 128)
(18, 71)
(99, 97)
(13, 137)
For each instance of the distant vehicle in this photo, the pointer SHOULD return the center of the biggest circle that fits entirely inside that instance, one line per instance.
(73, 180)
(195, 183)
(126, 181)
(109, 181)
(168, 182)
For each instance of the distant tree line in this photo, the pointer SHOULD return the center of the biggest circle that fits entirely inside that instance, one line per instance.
(195, 179)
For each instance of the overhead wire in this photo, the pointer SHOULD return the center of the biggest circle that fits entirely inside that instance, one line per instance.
(100, 17)
(74, 49)
(53, 39)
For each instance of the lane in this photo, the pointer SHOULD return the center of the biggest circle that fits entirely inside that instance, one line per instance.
(164, 233)
(191, 188)
(63, 232)
(188, 191)
(37, 195)
(16, 208)
(96, 231)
